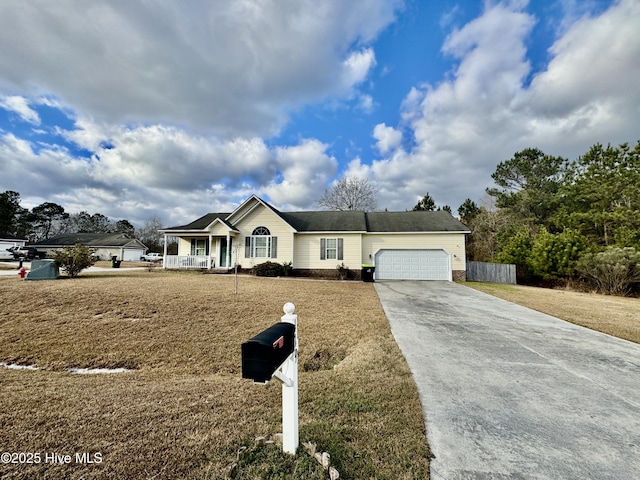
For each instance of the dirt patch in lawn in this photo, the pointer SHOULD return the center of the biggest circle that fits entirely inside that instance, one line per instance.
(617, 316)
(184, 411)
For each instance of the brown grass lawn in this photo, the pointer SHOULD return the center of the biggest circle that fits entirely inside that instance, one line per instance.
(617, 316)
(184, 411)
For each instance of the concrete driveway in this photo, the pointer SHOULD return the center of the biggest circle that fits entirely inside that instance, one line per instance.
(510, 393)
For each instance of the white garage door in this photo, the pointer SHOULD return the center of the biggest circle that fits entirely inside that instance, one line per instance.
(134, 255)
(412, 265)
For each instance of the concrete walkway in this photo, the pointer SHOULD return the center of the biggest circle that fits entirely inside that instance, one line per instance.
(510, 393)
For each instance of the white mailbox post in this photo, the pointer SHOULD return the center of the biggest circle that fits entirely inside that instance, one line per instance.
(273, 353)
(288, 375)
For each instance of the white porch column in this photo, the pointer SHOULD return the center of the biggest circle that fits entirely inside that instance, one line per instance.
(228, 250)
(210, 250)
(164, 251)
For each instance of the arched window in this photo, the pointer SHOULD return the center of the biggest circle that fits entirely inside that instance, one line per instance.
(261, 244)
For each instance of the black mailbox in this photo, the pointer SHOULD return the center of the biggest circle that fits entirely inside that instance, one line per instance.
(264, 353)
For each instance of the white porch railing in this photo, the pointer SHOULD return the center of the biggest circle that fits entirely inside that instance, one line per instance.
(181, 262)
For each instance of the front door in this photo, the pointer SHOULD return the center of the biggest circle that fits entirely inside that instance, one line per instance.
(224, 252)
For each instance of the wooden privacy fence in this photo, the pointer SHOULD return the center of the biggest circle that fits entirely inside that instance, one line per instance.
(491, 272)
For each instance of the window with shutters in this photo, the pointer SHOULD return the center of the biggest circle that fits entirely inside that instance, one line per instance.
(331, 249)
(261, 244)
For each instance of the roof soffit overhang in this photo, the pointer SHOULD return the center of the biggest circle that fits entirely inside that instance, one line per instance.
(225, 224)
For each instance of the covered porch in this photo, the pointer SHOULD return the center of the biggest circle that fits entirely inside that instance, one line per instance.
(202, 252)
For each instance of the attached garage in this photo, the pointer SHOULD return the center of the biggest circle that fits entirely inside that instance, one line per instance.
(413, 264)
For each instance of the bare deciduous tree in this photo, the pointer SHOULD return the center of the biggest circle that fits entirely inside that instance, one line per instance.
(350, 194)
(149, 234)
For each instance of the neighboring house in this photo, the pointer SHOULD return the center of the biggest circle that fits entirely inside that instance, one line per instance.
(9, 241)
(401, 245)
(105, 245)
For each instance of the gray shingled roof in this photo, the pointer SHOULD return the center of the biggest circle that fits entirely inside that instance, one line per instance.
(350, 221)
(326, 221)
(419, 221)
(88, 239)
(202, 222)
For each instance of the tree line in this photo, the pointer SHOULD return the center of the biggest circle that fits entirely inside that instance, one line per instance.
(50, 219)
(562, 220)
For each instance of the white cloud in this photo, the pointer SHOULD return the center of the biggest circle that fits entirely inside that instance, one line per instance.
(88, 134)
(136, 173)
(164, 157)
(43, 174)
(388, 138)
(594, 63)
(231, 67)
(357, 66)
(464, 126)
(20, 105)
(304, 172)
(366, 103)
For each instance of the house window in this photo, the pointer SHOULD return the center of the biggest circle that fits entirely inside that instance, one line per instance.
(261, 231)
(261, 247)
(261, 244)
(199, 246)
(331, 249)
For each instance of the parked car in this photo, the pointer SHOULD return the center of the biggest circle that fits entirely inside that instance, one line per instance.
(151, 257)
(28, 253)
(6, 254)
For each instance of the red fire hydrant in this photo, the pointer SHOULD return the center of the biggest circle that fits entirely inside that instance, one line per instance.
(22, 272)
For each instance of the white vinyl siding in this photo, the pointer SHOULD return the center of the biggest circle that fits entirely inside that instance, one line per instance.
(279, 248)
(184, 246)
(309, 251)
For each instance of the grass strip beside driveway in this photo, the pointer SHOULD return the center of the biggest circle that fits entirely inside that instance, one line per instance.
(616, 316)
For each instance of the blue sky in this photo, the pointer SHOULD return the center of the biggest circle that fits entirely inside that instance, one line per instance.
(176, 109)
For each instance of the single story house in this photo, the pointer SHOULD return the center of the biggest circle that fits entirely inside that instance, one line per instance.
(401, 245)
(9, 241)
(105, 245)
